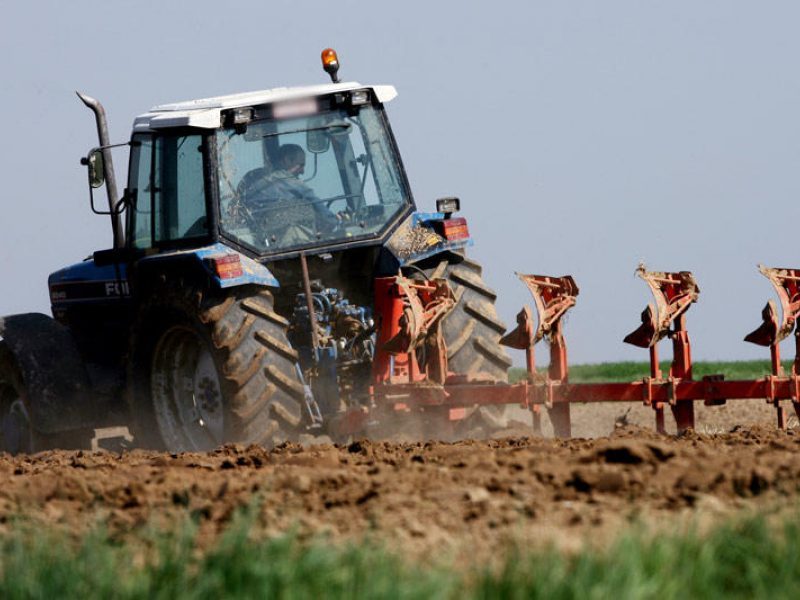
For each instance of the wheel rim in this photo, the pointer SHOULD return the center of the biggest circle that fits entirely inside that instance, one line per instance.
(15, 428)
(186, 392)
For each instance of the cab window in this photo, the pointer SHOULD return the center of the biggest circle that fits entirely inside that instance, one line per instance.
(139, 189)
(170, 200)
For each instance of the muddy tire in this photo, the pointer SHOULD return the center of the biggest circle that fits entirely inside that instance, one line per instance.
(472, 331)
(209, 370)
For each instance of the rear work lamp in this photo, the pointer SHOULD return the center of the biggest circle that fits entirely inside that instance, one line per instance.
(448, 206)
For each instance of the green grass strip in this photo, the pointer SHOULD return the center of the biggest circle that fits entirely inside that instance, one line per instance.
(742, 559)
(632, 371)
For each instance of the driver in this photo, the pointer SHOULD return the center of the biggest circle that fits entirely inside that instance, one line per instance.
(281, 192)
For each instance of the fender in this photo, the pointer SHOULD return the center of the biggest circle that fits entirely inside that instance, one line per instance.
(252, 273)
(57, 386)
(104, 278)
(415, 239)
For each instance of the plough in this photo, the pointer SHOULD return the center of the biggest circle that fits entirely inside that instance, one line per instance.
(399, 384)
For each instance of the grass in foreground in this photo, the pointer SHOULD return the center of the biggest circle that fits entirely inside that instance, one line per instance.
(631, 371)
(743, 559)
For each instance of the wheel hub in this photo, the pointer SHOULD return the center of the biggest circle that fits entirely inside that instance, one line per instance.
(187, 392)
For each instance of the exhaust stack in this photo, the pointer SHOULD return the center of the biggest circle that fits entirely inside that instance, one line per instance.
(108, 166)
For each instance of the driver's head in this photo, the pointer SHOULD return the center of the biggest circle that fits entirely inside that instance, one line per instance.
(292, 158)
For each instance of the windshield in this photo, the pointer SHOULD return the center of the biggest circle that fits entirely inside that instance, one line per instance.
(312, 180)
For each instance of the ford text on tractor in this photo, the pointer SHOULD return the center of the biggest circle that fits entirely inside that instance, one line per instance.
(271, 277)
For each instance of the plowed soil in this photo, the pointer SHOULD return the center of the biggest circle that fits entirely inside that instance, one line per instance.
(466, 499)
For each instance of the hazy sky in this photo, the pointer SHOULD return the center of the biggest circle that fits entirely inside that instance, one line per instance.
(581, 137)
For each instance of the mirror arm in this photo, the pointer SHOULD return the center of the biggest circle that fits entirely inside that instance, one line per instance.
(122, 205)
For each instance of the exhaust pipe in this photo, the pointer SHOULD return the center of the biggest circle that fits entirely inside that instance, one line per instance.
(108, 166)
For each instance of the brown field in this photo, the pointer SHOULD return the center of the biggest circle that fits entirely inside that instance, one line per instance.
(463, 499)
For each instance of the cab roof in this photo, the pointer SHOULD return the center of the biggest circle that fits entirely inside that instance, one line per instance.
(205, 113)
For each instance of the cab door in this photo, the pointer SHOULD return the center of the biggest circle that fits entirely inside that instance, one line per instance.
(169, 204)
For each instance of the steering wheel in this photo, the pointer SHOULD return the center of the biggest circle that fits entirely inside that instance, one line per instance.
(332, 199)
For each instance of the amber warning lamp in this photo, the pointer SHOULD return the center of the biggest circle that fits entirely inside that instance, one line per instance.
(330, 62)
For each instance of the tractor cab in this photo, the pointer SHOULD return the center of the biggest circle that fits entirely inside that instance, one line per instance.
(269, 173)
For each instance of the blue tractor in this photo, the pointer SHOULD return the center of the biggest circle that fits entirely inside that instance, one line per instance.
(237, 303)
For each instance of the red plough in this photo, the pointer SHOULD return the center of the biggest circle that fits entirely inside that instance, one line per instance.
(410, 313)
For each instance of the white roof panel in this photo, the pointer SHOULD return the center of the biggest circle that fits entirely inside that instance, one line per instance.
(205, 112)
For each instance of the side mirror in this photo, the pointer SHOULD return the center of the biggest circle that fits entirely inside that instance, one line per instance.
(94, 166)
(318, 141)
(96, 171)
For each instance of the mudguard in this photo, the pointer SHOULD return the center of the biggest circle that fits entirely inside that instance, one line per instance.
(252, 273)
(105, 279)
(415, 239)
(56, 382)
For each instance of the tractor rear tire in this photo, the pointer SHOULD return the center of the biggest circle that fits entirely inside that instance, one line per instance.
(472, 333)
(207, 370)
(472, 330)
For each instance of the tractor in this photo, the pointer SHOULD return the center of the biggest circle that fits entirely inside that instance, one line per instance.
(270, 276)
